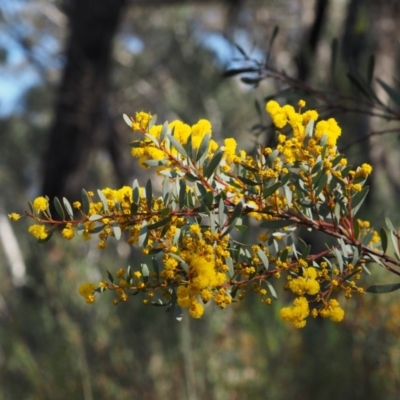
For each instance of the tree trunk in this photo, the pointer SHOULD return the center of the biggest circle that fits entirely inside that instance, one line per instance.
(82, 94)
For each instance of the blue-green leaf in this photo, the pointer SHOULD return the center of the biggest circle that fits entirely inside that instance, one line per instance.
(68, 208)
(103, 200)
(214, 162)
(390, 287)
(264, 259)
(58, 207)
(117, 230)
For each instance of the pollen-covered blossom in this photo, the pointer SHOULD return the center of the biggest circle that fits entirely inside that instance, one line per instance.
(14, 216)
(142, 120)
(230, 150)
(364, 171)
(195, 229)
(38, 231)
(196, 309)
(301, 103)
(40, 204)
(330, 128)
(297, 313)
(146, 149)
(332, 311)
(86, 290)
(68, 232)
(301, 286)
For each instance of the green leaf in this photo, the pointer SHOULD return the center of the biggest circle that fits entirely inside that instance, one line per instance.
(145, 272)
(234, 218)
(152, 122)
(247, 181)
(272, 290)
(201, 191)
(166, 190)
(221, 213)
(143, 235)
(177, 236)
(319, 186)
(395, 244)
(241, 228)
(284, 255)
(149, 194)
(204, 145)
(189, 147)
(208, 200)
(159, 224)
(236, 71)
(155, 163)
(264, 259)
(393, 93)
(177, 145)
(272, 156)
(98, 229)
(384, 239)
(251, 81)
(358, 199)
(95, 217)
(152, 139)
(268, 191)
(103, 200)
(127, 120)
(390, 287)
(182, 194)
(164, 131)
(231, 269)
(79, 229)
(237, 212)
(305, 252)
(58, 207)
(85, 202)
(362, 87)
(117, 230)
(309, 128)
(135, 192)
(191, 178)
(271, 42)
(68, 208)
(339, 259)
(214, 162)
(156, 267)
(110, 277)
(389, 224)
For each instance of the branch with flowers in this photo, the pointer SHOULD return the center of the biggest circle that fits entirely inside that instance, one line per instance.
(190, 234)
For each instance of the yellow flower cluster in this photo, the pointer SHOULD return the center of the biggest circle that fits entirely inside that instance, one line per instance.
(207, 190)
(86, 290)
(145, 149)
(207, 271)
(38, 231)
(14, 216)
(40, 204)
(332, 311)
(306, 284)
(297, 148)
(141, 121)
(297, 313)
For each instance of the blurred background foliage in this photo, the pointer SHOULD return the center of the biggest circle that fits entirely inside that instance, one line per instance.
(68, 70)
